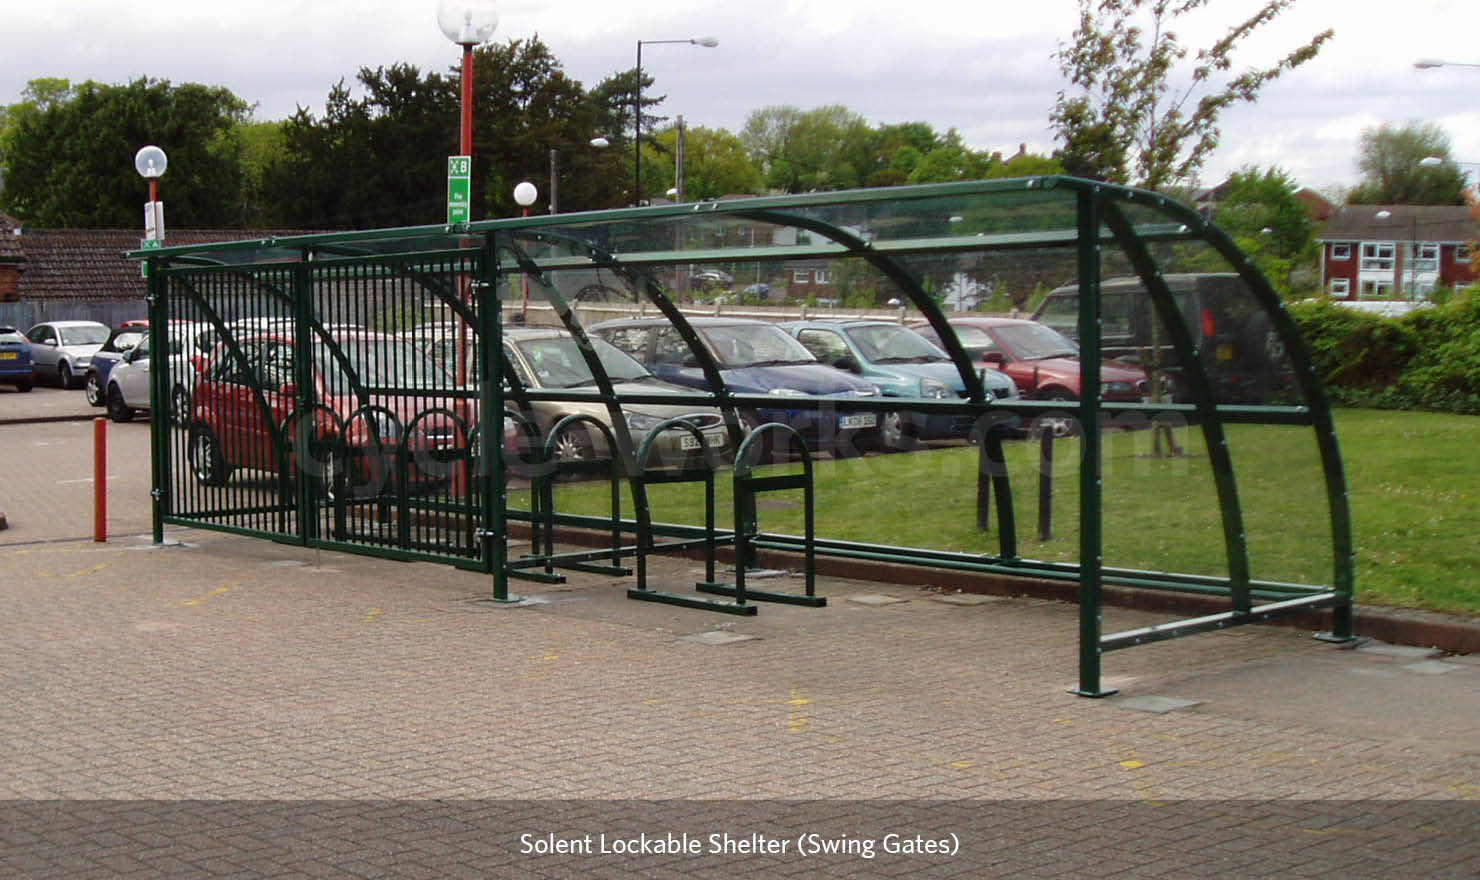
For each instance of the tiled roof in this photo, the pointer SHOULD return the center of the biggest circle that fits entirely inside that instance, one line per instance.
(10, 246)
(88, 264)
(1428, 223)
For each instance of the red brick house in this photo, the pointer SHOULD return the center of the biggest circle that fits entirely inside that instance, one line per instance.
(1396, 251)
(11, 258)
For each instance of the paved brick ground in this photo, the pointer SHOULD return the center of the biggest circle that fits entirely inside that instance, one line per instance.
(231, 707)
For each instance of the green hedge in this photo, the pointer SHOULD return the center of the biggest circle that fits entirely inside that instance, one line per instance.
(1428, 359)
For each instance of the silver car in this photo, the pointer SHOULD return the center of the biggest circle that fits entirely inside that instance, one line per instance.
(62, 350)
(549, 359)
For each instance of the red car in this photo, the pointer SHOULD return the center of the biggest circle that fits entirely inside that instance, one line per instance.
(1039, 359)
(374, 389)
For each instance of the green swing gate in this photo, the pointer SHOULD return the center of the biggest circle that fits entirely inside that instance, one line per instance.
(306, 406)
(338, 390)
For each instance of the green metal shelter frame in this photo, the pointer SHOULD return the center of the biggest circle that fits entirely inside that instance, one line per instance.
(301, 287)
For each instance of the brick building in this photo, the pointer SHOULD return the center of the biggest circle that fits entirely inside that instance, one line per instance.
(1402, 251)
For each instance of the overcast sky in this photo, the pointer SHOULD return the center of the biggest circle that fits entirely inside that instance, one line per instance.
(981, 67)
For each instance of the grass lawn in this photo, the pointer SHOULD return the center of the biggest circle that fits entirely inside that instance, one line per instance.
(1411, 478)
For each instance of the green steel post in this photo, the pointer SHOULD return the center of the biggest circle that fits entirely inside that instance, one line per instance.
(158, 415)
(1045, 484)
(1091, 543)
(491, 416)
(305, 411)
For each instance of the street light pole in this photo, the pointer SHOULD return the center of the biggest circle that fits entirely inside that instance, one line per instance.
(467, 23)
(1431, 63)
(706, 42)
(525, 194)
(596, 142)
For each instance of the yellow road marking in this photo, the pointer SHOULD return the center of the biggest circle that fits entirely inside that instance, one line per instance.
(211, 595)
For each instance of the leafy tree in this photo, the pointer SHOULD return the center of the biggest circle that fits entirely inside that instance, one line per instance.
(1130, 113)
(380, 160)
(1389, 157)
(715, 164)
(827, 148)
(1258, 203)
(950, 161)
(68, 153)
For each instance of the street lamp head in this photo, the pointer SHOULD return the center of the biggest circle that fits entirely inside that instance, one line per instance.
(1428, 63)
(599, 142)
(150, 162)
(706, 42)
(525, 194)
(1431, 161)
(1383, 214)
(467, 22)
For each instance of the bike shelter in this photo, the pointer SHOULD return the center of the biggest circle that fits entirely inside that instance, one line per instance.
(347, 401)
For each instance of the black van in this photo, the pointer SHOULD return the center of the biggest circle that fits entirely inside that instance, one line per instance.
(1238, 346)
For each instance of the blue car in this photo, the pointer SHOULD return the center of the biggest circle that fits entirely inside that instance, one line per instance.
(903, 364)
(16, 367)
(755, 358)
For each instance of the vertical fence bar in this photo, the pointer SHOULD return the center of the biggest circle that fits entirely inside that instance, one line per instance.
(1045, 484)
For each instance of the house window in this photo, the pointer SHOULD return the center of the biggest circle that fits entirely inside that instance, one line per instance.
(1377, 255)
(1377, 290)
(1341, 287)
(1462, 254)
(801, 276)
(822, 276)
(1341, 250)
(1426, 257)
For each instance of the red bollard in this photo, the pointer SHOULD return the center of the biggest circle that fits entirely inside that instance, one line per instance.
(100, 479)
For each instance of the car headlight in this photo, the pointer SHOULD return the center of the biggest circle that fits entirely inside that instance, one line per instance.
(641, 422)
(933, 389)
(1116, 387)
(786, 392)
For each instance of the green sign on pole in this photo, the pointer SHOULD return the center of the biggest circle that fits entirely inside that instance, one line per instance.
(459, 189)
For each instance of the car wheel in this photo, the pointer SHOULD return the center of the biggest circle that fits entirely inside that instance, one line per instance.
(1059, 426)
(574, 444)
(94, 388)
(206, 460)
(23, 387)
(179, 406)
(749, 421)
(64, 375)
(894, 433)
(117, 409)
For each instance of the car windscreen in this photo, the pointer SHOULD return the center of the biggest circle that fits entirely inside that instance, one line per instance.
(889, 344)
(83, 335)
(557, 362)
(378, 364)
(754, 345)
(1034, 342)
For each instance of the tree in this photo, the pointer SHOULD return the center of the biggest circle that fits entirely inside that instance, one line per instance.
(1262, 214)
(715, 164)
(1389, 157)
(68, 153)
(1130, 113)
(827, 148)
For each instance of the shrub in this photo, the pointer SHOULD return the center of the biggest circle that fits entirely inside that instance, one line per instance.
(1351, 349)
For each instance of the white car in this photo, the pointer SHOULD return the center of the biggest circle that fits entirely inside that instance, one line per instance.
(62, 350)
(128, 382)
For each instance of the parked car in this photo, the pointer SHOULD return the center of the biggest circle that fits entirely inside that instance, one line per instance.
(755, 357)
(16, 367)
(126, 386)
(548, 359)
(712, 275)
(1039, 359)
(1239, 349)
(903, 364)
(62, 350)
(119, 342)
(380, 387)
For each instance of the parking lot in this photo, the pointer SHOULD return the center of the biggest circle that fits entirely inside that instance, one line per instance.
(222, 706)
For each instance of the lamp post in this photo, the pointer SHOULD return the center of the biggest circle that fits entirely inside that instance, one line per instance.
(525, 194)
(467, 23)
(151, 162)
(706, 42)
(598, 143)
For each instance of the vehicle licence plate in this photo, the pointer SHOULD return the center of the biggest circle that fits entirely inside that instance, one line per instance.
(857, 420)
(689, 442)
(8, 356)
